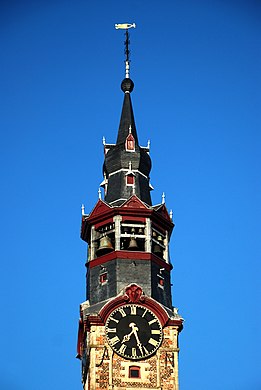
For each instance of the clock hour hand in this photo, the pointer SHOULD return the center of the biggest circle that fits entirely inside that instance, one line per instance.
(127, 337)
(134, 331)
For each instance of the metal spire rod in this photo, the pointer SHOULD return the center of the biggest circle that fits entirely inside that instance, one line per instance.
(126, 26)
(126, 43)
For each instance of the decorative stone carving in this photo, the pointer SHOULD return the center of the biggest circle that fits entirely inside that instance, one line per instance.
(134, 293)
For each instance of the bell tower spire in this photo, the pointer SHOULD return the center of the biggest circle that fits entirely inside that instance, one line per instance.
(128, 328)
(119, 182)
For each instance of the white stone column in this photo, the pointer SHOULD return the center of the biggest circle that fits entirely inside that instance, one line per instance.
(166, 250)
(93, 246)
(117, 221)
(176, 370)
(148, 235)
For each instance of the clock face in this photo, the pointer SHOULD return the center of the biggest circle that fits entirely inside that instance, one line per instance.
(133, 331)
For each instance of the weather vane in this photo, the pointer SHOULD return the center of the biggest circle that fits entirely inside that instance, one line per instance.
(126, 26)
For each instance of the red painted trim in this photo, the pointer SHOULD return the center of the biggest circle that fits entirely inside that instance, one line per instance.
(158, 219)
(103, 222)
(131, 213)
(134, 368)
(145, 301)
(177, 322)
(133, 201)
(96, 218)
(130, 179)
(130, 218)
(110, 213)
(158, 227)
(130, 143)
(80, 339)
(100, 321)
(129, 255)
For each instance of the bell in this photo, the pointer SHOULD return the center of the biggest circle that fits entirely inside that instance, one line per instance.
(133, 245)
(157, 250)
(105, 246)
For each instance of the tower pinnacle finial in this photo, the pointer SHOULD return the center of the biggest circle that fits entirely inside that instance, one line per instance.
(163, 198)
(126, 26)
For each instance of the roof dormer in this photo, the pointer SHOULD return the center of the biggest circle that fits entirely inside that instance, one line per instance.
(130, 142)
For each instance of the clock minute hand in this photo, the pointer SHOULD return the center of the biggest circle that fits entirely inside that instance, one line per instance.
(139, 345)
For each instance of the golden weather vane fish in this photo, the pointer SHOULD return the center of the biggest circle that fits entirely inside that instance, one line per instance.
(124, 26)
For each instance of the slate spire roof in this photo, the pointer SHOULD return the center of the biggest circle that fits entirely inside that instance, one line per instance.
(127, 116)
(127, 165)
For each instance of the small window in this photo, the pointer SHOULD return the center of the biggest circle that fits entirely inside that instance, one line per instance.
(161, 282)
(134, 372)
(130, 180)
(130, 143)
(103, 278)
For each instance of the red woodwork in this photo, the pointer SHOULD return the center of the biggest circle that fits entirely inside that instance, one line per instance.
(100, 208)
(130, 179)
(103, 223)
(133, 291)
(129, 218)
(129, 255)
(163, 212)
(143, 300)
(133, 209)
(103, 278)
(130, 143)
(80, 339)
(134, 372)
(134, 202)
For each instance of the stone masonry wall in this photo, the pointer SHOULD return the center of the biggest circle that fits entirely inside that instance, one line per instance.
(109, 371)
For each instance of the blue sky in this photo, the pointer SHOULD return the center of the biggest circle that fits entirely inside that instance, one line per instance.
(196, 68)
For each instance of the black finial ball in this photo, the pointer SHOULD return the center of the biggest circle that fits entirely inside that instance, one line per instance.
(127, 85)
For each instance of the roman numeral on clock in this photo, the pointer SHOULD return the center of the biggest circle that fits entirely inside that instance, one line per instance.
(111, 330)
(152, 321)
(133, 310)
(153, 342)
(114, 319)
(155, 331)
(122, 312)
(122, 348)
(114, 340)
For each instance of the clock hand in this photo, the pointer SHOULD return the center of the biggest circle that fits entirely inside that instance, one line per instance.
(127, 337)
(134, 329)
(136, 335)
(139, 345)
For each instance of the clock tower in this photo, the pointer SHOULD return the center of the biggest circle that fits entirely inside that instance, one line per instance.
(128, 328)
